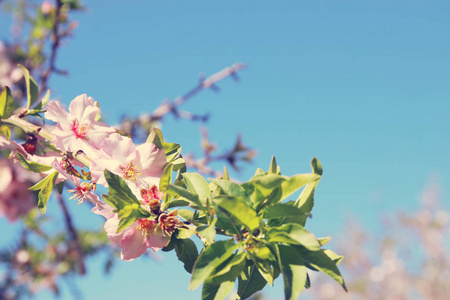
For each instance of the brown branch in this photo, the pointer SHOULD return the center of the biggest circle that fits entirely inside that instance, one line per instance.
(73, 235)
(209, 83)
(56, 39)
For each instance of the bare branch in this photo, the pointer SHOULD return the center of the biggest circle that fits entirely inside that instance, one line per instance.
(73, 235)
(56, 39)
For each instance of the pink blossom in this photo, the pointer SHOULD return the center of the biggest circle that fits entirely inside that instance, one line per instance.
(82, 190)
(15, 198)
(46, 7)
(136, 238)
(140, 166)
(77, 129)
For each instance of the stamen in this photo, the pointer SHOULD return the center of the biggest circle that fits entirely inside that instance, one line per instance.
(79, 193)
(130, 171)
(80, 130)
(147, 226)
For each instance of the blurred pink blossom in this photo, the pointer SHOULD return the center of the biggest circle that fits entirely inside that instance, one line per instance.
(15, 198)
(46, 7)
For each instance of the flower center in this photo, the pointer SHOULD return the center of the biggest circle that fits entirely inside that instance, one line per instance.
(79, 193)
(147, 226)
(80, 130)
(152, 197)
(130, 171)
(168, 222)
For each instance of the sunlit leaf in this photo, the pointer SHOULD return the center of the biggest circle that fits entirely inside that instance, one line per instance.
(250, 281)
(45, 187)
(211, 257)
(293, 270)
(245, 215)
(6, 103)
(155, 137)
(294, 234)
(32, 89)
(31, 165)
(323, 260)
(186, 252)
(198, 185)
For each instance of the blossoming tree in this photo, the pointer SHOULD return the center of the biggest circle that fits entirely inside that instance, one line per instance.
(221, 230)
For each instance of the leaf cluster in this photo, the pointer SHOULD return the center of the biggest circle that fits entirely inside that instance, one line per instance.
(251, 232)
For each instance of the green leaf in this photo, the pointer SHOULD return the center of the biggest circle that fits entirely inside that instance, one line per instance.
(273, 168)
(334, 257)
(186, 253)
(264, 269)
(216, 292)
(294, 234)
(123, 200)
(250, 281)
(31, 165)
(294, 271)
(45, 187)
(172, 151)
(32, 89)
(308, 281)
(270, 181)
(324, 241)
(5, 131)
(229, 188)
(179, 164)
(45, 99)
(177, 203)
(185, 195)
(211, 257)
(124, 223)
(6, 103)
(207, 233)
(198, 185)
(316, 166)
(220, 284)
(322, 261)
(155, 137)
(225, 174)
(186, 214)
(238, 210)
(166, 178)
(230, 269)
(306, 199)
(292, 185)
(185, 232)
(119, 190)
(43, 102)
(282, 210)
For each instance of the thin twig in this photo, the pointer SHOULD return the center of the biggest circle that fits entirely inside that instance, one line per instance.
(73, 235)
(208, 83)
(56, 38)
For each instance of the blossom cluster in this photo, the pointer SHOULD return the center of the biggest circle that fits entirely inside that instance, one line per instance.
(79, 132)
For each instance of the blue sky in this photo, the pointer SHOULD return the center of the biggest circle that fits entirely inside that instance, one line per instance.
(361, 85)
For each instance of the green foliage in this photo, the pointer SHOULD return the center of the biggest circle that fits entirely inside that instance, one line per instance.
(123, 200)
(7, 104)
(5, 131)
(45, 188)
(209, 260)
(186, 252)
(172, 150)
(263, 225)
(32, 89)
(31, 165)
